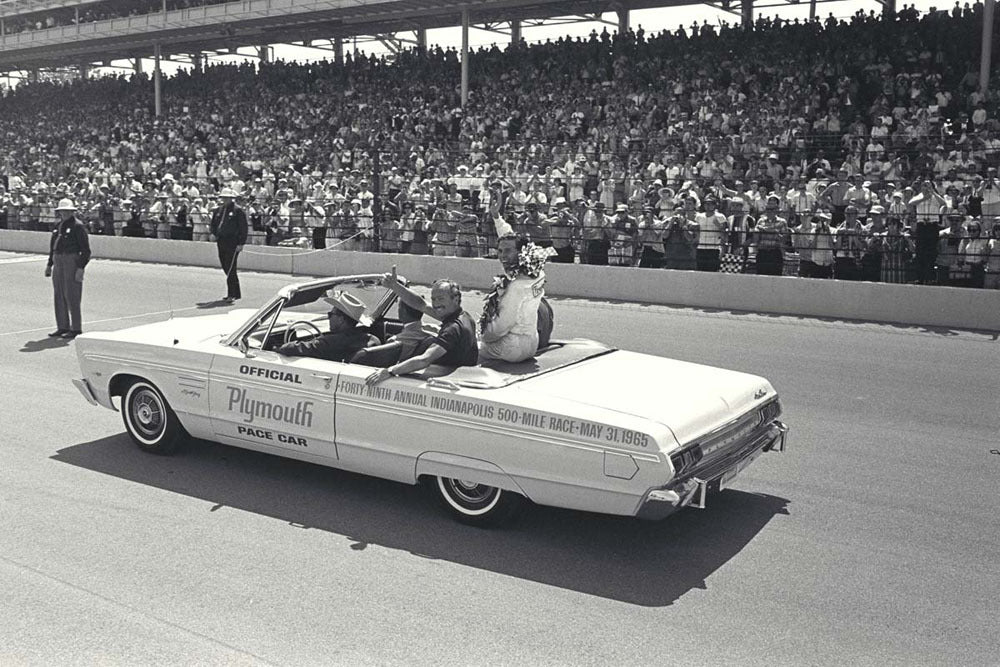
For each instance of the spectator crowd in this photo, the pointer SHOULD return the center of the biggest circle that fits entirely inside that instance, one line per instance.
(860, 149)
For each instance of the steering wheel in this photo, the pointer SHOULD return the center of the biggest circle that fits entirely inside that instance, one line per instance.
(301, 324)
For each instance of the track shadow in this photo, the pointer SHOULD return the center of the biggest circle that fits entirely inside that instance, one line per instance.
(648, 564)
(44, 344)
(218, 303)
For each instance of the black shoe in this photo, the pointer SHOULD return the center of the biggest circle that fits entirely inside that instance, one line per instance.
(57, 333)
(228, 299)
(71, 334)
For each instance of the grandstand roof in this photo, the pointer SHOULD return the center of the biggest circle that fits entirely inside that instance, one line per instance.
(260, 22)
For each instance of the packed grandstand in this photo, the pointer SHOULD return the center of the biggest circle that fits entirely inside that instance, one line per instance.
(859, 149)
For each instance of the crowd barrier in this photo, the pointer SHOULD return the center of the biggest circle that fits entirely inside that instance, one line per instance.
(919, 305)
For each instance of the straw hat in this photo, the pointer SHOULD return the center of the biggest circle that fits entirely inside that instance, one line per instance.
(66, 205)
(349, 305)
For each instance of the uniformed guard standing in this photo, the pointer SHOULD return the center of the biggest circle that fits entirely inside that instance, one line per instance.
(69, 252)
(229, 231)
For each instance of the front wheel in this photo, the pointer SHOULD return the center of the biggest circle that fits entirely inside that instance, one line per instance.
(150, 422)
(477, 504)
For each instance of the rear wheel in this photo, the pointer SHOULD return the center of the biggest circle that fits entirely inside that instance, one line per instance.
(150, 422)
(477, 504)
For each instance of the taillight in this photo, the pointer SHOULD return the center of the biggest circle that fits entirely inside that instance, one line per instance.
(685, 460)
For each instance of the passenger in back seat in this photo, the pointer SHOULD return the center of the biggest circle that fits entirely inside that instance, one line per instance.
(509, 325)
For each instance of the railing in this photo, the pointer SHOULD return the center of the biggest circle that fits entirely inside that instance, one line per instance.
(859, 252)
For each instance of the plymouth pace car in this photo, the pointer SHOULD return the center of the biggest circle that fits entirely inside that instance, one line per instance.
(581, 426)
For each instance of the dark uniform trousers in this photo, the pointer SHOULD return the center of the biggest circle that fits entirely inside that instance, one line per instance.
(227, 258)
(68, 292)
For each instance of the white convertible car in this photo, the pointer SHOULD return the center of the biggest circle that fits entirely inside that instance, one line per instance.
(582, 426)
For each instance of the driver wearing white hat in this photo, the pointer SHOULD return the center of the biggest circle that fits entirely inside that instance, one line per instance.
(69, 252)
(348, 332)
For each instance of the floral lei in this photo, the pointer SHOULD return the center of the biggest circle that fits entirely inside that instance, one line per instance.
(530, 262)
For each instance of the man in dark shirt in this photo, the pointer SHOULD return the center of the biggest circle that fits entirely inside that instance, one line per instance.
(348, 332)
(455, 344)
(69, 252)
(229, 230)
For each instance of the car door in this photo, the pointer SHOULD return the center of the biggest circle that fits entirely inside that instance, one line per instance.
(271, 402)
(381, 430)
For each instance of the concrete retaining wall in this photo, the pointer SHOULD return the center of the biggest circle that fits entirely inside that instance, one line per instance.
(902, 304)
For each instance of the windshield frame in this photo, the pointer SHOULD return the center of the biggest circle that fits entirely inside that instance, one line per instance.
(286, 294)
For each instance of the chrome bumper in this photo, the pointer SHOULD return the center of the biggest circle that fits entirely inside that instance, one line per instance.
(86, 390)
(693, 492)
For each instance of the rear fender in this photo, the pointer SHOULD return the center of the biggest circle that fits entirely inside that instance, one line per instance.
(439, 464)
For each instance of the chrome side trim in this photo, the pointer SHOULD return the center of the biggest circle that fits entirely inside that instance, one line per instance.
(494, 428)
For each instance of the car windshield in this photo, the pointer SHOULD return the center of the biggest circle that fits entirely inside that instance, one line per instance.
(308, 305)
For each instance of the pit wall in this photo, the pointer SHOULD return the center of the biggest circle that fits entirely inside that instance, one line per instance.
(899, 304)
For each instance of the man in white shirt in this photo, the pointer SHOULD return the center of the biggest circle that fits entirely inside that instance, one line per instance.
(713, 228)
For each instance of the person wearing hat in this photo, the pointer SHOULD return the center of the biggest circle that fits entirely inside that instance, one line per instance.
(711, 236)
(228, 229)
(680, 237)
(622, 234)
(593, 234)
(770, 234)
(847, 246)
(348, 333)
(872, 235)
(813, 241)
(991, 279)
(949, 240)
(564, 228)
(651, 238)
(972, 253)
(199, 220)
(927, 205)
(69, 252)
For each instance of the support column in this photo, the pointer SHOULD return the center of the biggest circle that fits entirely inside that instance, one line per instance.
(33, 76)
(986, 45)
(812, 9)
(746, 14)
(338, 50)
(888, 9)
(196, 62)
(421, 40)
(515, 32)
(465, 56)
(623, 21)
(137, 65)
(3, 29)
(263, 53)
(157, 102)
(84, 70)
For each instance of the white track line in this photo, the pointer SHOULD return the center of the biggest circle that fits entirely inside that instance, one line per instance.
(18, 260)
(110, 319)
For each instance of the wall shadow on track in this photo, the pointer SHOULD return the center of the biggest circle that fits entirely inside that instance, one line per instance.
(642, 563)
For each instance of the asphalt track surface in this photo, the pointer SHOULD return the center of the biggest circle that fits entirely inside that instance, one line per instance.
(872, 540)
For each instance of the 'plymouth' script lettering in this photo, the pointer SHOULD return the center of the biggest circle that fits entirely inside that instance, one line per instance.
(299, 414)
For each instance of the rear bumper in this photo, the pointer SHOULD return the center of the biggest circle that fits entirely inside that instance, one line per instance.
(692, 491)
(87, 391)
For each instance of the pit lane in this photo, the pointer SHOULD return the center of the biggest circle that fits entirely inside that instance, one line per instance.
(871, 541)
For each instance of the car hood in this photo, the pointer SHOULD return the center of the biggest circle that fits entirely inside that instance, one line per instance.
(180, 330)
(689, 399)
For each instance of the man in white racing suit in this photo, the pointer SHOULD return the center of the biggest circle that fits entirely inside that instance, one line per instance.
(509, 325)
